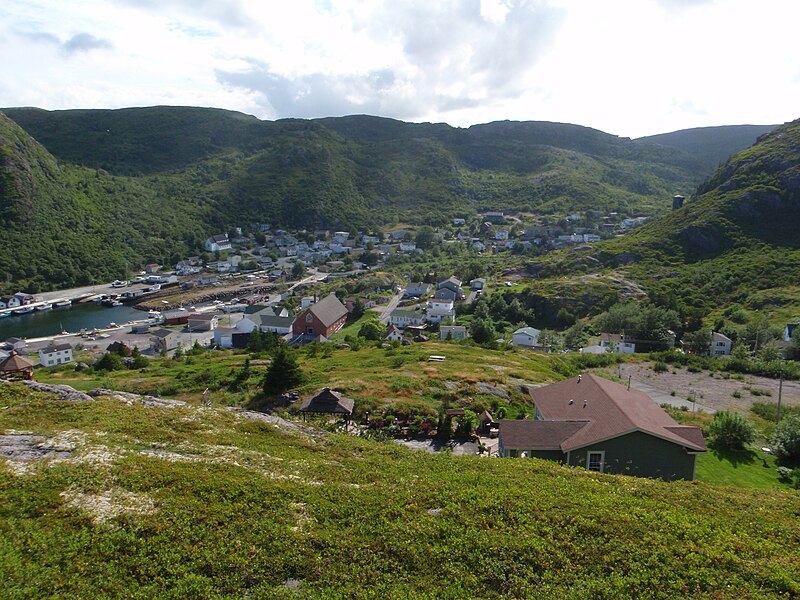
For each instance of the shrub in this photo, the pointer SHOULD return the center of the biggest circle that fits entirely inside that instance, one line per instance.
(785, 474)
(730, 430)
(660, 367)
(786, 439)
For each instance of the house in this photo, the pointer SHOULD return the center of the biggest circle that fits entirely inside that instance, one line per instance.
(788, 331)
(9, 301)
(526, 337)
(407, 247)
(324, 318)
(223, 337)
(417, 289)
(453, 285)
(458, 222)
(151, 268)
(218, 243)
(446, 294)
(176, 317)
(165, 340)
(16, 344)
(478, 284)
(720, 344)
(603, 426)
(202, 321)
(269, 319)
(24, 299)
(393, 334)
(403, 318)
(615, 342)
(276, 323)
(452, 332)
(55, 355)
(439, 309)
(501, 235)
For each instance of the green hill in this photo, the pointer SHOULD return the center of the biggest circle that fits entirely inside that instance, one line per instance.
(712, 145)
(188, 501)
(144, 184)
(735, 241)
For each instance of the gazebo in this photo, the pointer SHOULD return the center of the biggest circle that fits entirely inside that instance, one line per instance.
(16, 367)
(328, 402)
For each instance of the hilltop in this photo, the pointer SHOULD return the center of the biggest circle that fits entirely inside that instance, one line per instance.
(120, 497)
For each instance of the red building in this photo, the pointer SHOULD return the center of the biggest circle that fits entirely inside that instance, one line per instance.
(325, 318)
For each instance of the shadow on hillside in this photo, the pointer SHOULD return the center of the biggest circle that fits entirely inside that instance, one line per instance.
(736, 457)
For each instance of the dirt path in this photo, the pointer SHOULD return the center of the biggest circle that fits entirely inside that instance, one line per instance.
(711, 392)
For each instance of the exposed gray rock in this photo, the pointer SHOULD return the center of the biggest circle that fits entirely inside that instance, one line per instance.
(148, 401)
(25, 447)
(64, 392)
(282, 423)
(487, 388)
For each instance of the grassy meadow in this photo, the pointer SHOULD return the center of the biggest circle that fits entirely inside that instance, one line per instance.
(197, 502)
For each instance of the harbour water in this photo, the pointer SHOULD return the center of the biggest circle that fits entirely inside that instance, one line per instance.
(74, 318)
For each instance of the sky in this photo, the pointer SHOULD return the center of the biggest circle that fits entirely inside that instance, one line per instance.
(627, 67)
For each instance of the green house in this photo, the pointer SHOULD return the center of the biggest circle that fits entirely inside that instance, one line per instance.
(603, 426)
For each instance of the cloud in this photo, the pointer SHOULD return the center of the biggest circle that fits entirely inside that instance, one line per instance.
(230, 13)
(446, 56)
(84, 42)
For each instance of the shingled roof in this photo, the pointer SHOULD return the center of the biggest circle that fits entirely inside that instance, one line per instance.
(15, 362)
(328, 402)
(328, 310)
(611, 410)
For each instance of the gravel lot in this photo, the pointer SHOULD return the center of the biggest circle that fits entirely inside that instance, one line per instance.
(711, 392)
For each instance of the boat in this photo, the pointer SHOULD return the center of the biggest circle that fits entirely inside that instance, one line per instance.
(118, 284)
(5, 314)
(45, 306)
(62, 303)
(24, 310)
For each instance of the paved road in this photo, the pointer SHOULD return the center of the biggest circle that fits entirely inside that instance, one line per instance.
(387, 311)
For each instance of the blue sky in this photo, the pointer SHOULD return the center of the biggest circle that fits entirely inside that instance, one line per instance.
(627, 67)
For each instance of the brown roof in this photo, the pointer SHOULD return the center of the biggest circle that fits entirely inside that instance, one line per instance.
(328, 310)
(611, 409)
(327, 402)
(527, 434)
(15, 362)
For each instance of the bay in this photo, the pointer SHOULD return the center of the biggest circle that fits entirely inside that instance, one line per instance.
(74, 318)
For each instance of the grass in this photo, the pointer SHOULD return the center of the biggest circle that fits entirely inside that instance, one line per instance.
(230, 507)
(744, 469)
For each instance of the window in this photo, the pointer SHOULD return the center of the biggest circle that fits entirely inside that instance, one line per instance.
(309, 318)
(594, 461)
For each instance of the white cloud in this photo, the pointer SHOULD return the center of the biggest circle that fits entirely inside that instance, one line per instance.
(631, 67)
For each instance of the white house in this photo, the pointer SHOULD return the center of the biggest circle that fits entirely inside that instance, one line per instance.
(438, 309)
(393, 334)
(615, 342)
(526, 337)
(408, 246)
(417, 289)
(223, 337)
(55, 355)
(404, 318)
(218, 243)
(458, 221)
(501, 234)
(720, 344)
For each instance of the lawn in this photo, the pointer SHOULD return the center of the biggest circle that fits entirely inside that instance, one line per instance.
(741, 469)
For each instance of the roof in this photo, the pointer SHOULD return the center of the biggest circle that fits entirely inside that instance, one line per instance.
(15, 362)
(611, 409)
(162, 333)
(451, 280)
(528, 434)
(392, 330)
(272, 320)
(203, 316)
(719, 337)
(56, 348)
(407, 313)
(328, 310)
(328, 402)
(531, 331)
